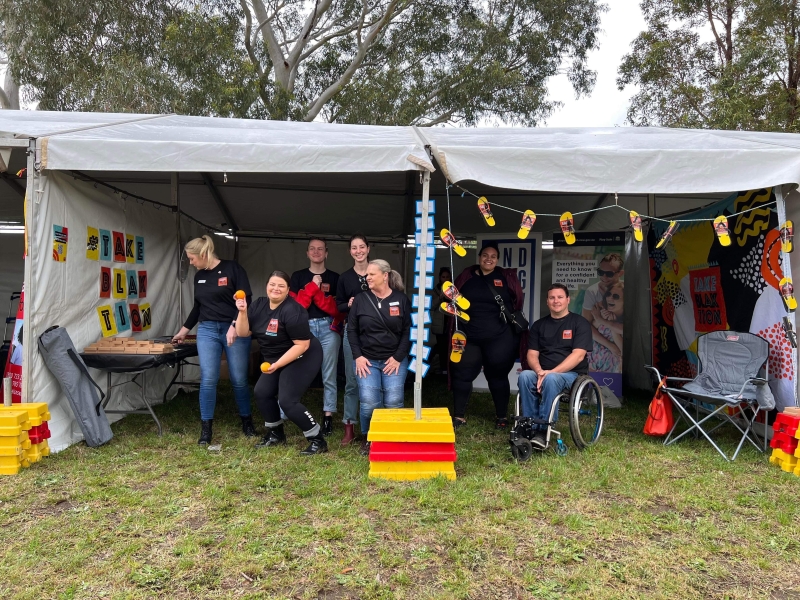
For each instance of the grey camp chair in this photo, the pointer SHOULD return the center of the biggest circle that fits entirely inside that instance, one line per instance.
(730, 364)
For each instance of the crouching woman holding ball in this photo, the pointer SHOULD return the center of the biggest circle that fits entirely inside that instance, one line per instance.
(292, 358)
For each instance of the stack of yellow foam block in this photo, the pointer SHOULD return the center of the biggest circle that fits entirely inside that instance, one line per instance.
(16, 445)
(406, 448)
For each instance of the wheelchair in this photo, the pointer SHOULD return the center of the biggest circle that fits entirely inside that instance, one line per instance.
(584, 407)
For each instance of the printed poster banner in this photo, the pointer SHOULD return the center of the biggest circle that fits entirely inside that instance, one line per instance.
(108, 325)
(525, 258)
(92, 243)
(60, 239)
(700, 286)
(593, 270)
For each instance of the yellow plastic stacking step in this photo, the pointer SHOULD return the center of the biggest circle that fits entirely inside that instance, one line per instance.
(399, 425)
(34, 454)
(10, 419)
(44, 448)
(10, 470)
(787, 462)
(37, 411)
(16, 450)
(11, 461)
(411, 471)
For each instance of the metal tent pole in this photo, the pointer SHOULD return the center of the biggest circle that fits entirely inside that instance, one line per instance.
(423, 273)
(31, 335)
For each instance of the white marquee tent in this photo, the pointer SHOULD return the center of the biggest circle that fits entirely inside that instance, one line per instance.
(272, 183)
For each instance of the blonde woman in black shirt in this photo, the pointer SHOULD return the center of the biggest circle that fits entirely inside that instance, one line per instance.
(379, 327)
(214, 312)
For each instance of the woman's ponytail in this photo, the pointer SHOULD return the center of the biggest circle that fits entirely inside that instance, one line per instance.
(396, 281)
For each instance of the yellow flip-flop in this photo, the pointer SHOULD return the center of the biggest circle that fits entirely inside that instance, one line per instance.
(568, 227)
(787, 236)
(722, 230)
(528, 219)
(486, 211)
(459, 342)
(451, 293)
(787, 293)
(636, 223)
(665, 237)
(452, 310)
(448, 239)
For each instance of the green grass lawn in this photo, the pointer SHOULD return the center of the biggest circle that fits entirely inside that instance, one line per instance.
(146, 517)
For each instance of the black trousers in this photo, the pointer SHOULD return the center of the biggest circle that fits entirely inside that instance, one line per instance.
(496, 356)
(284, 388)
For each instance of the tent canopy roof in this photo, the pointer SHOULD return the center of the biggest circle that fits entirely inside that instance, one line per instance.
(361, 177)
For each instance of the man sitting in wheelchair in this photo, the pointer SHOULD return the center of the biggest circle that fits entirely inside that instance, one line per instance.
(558, 345)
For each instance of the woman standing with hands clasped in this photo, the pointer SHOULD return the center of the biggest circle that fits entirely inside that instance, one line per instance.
(378, 327)
(351, 283)
(280, 326)
(214, 285)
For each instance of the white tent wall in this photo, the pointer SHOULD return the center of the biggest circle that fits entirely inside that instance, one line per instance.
(67, 293)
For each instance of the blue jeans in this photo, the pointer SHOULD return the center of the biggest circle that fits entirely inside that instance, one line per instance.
(211, 343)
(330, 342)
(378, 390)
(351, 387)
(538, 405)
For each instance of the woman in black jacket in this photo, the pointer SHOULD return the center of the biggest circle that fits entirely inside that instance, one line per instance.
(492, 343)
(379, 330)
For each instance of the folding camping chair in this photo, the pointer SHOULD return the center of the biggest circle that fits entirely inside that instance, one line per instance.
(727, 388)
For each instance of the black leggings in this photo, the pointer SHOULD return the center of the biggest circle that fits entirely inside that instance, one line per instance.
(496, 356)
(284, 388)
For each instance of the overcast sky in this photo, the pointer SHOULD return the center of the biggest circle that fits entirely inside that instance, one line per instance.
(607, 105)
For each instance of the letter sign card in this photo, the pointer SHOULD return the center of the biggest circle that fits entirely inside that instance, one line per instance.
(147, 317)
(105, 282)
(133, 287)
(107, 323)
(60, 239)
(119, 246)
(142, 284)
(129, 239)
(92, 243)
(105, 244)
(139, 250)
(122, 317)
(119, 290)
(136, 318)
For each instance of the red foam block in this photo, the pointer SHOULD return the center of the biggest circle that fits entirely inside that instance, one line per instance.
(784, 441)
(786, 424)
(412, 451)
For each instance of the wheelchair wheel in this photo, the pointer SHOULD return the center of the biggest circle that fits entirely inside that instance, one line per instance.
(585, 412)
(521, 449)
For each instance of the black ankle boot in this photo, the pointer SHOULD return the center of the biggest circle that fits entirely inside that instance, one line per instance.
(317, 445)
(327, 425)
(248, 429)
(273, 437)
(205, 432)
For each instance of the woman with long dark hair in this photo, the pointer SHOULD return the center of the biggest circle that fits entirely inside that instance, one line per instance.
(351, 283)
(215, 283)
(280, 325)
(379, 329)
(492, 343)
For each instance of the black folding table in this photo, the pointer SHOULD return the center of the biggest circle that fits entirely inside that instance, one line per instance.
(137, 365)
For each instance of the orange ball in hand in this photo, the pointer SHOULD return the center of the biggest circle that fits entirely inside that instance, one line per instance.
(265, 367)
(239, 295)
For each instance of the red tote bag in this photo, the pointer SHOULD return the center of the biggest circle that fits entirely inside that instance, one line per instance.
(659, 419)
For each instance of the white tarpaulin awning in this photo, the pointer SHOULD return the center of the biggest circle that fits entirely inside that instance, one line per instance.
(630, 160)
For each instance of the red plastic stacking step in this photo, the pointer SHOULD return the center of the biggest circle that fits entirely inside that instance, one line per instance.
(787, 424)
(784, 442)
(39, 433)
(412, 451)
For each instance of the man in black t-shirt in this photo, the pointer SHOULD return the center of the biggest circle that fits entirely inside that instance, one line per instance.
(557, 349)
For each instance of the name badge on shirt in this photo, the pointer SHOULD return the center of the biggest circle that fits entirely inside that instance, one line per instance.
(566, 334)
(326, 287)
(498, 283)
(222, 281)
(272, 328)
(201, 281)
(394, 311)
